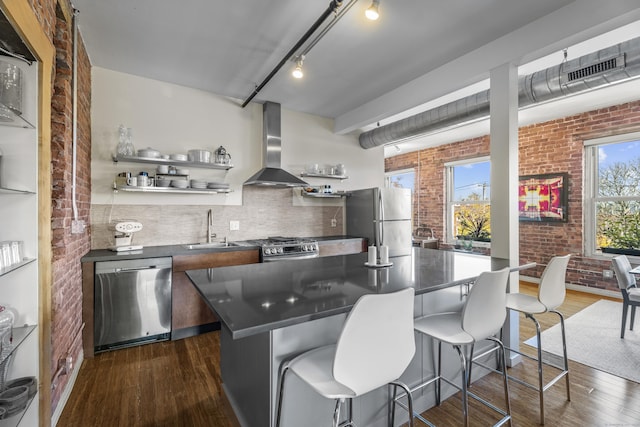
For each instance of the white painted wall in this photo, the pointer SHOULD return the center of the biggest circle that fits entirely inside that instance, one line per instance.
(174, 119)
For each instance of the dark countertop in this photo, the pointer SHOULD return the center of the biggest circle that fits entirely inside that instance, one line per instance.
(255, 298)
(172, 250)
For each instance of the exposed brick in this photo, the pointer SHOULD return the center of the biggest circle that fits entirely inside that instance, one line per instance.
(553, 146)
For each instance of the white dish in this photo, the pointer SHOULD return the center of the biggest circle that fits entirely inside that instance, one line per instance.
(179, 183)
(181, 157)
(149, 153)
(182, 171)
(217, 185)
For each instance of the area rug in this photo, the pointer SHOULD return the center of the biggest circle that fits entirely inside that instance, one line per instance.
(593, 339)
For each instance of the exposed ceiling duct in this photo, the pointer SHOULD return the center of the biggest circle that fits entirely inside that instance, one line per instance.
(604, 67)
(271, 174)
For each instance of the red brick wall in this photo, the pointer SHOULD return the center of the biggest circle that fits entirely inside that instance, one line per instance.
(68, 248)
(66, 289)
(554, 146)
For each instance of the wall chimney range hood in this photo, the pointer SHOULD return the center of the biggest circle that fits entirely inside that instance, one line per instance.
(272, 174)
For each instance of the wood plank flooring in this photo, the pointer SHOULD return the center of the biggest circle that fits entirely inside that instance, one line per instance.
(178, 384)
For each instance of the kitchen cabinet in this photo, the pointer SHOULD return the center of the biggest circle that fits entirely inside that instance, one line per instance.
(19, 285)
(178, 164)
(190, 313)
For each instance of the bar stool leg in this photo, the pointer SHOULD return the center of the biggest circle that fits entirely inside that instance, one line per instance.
(564, 350)
(540, 379)
(465, 396)
(503, 362)
(336, 413)
(406, 389)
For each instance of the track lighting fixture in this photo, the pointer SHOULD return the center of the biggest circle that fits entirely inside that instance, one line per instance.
(297, 72)
(372, 12)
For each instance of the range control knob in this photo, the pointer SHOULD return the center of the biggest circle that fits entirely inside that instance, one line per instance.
(280, 250)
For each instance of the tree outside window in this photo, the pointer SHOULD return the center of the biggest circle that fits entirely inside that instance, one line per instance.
(469, 201)
(617, 200)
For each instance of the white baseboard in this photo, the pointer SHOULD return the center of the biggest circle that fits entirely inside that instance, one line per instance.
(67, 390)
(579, 288)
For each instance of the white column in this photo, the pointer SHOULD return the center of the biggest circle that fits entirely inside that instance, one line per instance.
(504, 182)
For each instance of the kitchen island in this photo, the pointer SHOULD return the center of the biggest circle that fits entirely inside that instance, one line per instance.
(272, 311)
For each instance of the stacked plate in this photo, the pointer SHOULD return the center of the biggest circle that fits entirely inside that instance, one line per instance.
(179, 183)
(218, 186)
(197, 183)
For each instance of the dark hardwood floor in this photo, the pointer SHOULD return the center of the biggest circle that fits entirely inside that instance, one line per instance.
(178, 384)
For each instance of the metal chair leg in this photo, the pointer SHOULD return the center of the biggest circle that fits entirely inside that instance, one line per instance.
(633, 317)
(564, 352)
(465, 396)
(503, 362)
(439, 373)
(540, 379)
(625, 307)
(336, 413)
(406, 389)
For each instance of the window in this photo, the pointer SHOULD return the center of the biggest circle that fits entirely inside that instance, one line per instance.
(468, 201)
(405, 178)
(401, 179)
(612, 195)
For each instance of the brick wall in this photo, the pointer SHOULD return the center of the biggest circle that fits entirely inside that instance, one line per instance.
(553, 146)
(68, 248)
(66, 289)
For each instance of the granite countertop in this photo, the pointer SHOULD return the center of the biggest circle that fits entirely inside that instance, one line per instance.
(255, 298)
(95, 255)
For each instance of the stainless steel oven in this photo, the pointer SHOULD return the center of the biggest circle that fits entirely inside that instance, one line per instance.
(287, 248)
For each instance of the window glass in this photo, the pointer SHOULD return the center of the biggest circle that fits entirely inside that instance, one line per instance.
(616, 185)
(469, 205)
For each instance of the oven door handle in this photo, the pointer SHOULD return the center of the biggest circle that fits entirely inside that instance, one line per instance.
(290, 257)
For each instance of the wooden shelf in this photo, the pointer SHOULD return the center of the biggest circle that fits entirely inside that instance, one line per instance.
(169, 162)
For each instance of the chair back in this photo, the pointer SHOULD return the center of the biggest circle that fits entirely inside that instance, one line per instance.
(485, 310)
(622, 268)
(377, 341)
(552, 289)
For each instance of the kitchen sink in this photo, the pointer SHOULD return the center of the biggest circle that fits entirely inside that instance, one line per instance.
(209, 245)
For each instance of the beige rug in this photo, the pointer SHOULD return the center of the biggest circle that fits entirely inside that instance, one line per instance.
(593, 339)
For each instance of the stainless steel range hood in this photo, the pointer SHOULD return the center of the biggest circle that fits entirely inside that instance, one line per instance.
(272, 174)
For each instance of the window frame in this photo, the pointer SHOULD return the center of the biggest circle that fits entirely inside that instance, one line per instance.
(450, 192)
(590, 186)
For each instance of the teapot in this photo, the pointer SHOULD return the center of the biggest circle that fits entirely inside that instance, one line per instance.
(221, 156)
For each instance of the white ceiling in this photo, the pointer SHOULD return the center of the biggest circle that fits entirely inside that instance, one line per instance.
(361, 72)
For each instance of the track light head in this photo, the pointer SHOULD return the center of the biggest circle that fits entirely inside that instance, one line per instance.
(372, 12)
(297, 72)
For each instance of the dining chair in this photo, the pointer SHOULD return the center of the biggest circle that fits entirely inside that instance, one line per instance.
(374, 348)
(481, 318)
(551, 294)
(630, 292)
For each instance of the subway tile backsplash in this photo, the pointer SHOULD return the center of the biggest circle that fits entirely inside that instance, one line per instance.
(264, 212)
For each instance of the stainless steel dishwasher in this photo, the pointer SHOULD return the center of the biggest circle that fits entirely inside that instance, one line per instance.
(132, 303)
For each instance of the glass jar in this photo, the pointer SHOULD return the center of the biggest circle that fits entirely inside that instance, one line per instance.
(7, 319)
(125, 141)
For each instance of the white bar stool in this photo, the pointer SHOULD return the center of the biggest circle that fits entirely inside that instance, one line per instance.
(481, 318)
(374, 349)
(551, 294)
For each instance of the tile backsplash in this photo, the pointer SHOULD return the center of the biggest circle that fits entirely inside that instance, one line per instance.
(264, 212)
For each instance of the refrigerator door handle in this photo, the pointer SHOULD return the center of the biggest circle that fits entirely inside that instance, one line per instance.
(381, 219)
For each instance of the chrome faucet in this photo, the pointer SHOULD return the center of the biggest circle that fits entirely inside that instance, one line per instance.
(210, 234)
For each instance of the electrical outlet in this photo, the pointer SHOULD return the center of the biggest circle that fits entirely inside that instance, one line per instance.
(234, 225)
(77, 226)
(334, 222)
(607, 274)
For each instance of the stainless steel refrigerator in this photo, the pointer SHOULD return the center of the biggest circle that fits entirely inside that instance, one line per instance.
(383, 215)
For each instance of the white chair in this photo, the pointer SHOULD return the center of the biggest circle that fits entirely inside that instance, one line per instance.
(551, 294)
(627, 285)
(374, 349)
(481, 318)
